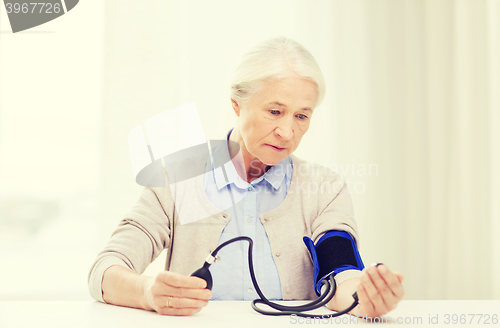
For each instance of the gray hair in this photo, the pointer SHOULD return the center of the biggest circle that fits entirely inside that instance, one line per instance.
(274, 59)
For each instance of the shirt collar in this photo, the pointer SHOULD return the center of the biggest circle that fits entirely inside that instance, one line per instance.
(277, 173)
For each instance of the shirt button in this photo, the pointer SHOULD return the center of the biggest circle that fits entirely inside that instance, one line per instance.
(250, 188)
(278, 254)
(249, 219)
(250, 290)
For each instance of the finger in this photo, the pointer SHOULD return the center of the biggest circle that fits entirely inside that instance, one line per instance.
(364, 300)
(201, 294)
(162, 289)
(388, 297)
(391, 281)
(178, 280)
(180, 302)
(373, 292)
(178, 312)
(400, 276)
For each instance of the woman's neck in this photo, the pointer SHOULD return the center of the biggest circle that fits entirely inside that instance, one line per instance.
(247, 166)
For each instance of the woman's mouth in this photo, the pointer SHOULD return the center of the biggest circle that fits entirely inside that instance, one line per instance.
(276, 148)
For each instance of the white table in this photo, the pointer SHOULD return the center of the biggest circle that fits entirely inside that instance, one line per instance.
(72, 314)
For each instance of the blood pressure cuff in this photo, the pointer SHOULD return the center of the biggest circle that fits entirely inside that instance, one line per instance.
(336, 251)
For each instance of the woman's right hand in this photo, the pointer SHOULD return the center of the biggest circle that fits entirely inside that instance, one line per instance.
(188, 295)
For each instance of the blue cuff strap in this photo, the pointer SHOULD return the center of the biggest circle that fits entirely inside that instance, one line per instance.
(336, 251)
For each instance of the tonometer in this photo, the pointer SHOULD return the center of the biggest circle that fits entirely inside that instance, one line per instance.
(335, 252)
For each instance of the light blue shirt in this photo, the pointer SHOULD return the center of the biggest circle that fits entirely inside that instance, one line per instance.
(224, 187)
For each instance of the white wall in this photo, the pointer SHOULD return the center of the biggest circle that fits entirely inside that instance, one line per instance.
(50, 113)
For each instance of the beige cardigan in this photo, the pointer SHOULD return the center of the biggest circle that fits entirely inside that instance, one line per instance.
(317, 201)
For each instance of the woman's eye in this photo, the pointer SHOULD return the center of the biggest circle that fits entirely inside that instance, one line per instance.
(274, 112)
(301, 116)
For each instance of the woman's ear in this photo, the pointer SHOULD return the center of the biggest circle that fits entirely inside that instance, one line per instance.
(236, 107)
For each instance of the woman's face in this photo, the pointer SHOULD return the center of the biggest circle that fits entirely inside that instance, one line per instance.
(273, 121)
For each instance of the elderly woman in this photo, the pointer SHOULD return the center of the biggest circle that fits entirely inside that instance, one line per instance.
(263, 192)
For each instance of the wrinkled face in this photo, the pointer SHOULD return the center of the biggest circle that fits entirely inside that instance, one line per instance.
(273, 121)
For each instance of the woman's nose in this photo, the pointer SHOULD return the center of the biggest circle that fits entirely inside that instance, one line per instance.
(285, 130)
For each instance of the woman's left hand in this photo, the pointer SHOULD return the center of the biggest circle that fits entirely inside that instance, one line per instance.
(379, 291)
